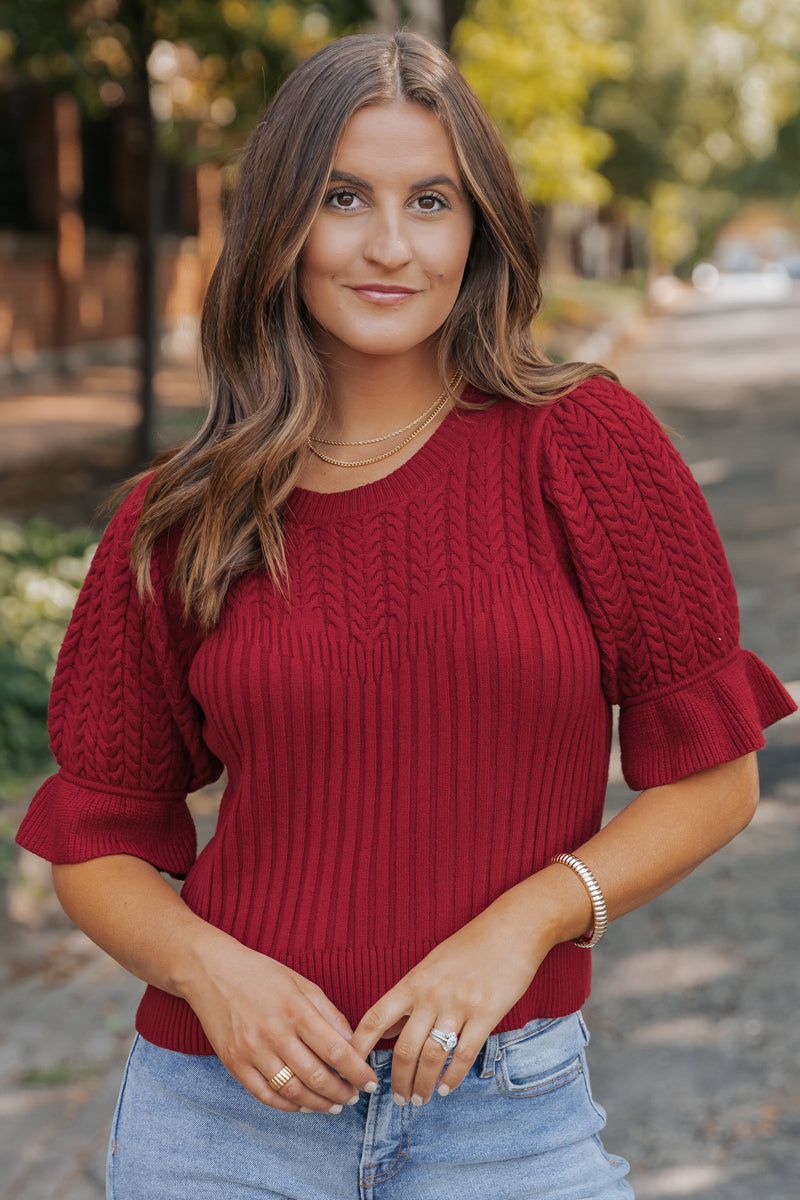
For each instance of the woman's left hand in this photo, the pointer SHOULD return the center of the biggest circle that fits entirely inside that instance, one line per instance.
(466, 985)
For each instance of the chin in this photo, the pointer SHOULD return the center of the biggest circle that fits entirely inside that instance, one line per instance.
(379, 344)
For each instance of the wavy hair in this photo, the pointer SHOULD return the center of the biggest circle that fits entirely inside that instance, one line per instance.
(226, 487)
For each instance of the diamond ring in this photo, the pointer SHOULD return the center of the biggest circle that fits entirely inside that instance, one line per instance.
(448, 1041)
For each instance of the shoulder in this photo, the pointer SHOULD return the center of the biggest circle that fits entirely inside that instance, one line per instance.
(596, 403)
(126, 516)
(599, 428)
(605, 437)
(601, 404)
(115, 542)
(125, 521)
(111, 571)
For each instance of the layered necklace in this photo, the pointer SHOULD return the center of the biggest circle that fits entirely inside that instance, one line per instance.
(419, 423)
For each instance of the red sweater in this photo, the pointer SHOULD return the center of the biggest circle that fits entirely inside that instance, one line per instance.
(429, 720)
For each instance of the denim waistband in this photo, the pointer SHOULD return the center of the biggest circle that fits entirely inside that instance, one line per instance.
(379, 1059)
(489, 1052)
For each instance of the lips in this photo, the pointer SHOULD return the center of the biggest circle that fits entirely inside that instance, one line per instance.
(383, 293)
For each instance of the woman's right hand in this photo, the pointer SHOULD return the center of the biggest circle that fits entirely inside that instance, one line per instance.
(259, 1016)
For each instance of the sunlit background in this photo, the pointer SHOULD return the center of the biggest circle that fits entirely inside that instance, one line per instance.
(648, 136)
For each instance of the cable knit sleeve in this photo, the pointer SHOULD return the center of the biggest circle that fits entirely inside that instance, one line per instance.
(123, 726)
(657, 588)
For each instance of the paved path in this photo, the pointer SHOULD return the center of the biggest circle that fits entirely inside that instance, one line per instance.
(696, 1048)
(49, 416)
(696, 1041)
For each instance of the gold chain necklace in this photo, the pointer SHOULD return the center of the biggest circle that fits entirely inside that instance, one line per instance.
(384, 436)
(425, 420)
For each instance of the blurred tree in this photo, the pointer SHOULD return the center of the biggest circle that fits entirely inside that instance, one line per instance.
(234, 53)
(191, 76)
(432, 18)
(533, 64)
(778, 175)
(711, 83)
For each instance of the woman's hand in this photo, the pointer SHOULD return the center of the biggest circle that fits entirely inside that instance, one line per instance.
(466, 985)
(469, 982)
(259, 1016)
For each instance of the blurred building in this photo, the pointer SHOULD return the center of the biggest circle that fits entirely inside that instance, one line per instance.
(764, 235)
(72, 209)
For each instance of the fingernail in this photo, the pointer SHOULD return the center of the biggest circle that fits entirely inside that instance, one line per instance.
(417, 1100)
(353, 1100)
(398, 1099)
(306, 1109)
(443, 1089)
(370, 1087)
(335, 1108)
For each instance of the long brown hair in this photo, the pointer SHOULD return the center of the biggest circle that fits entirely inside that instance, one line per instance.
(228, 484)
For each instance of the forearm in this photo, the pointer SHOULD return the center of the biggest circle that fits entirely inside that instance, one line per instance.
(258, 1015)
(656, 840)
(128, 909)
(473, 978)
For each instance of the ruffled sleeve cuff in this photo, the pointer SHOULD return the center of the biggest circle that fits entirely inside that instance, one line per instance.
(70, 821)
(707, 721)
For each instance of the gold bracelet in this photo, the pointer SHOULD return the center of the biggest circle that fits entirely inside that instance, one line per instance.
(595, 895)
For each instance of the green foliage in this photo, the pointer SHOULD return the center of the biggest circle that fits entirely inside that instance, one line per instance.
(676, 109)
(211, 67)
(673, 109)
(533, 64)
(41, 571)
(778, 175)
(59, 1074)
(711, 84)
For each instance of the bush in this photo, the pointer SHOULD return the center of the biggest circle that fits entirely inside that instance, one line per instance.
(41, 570)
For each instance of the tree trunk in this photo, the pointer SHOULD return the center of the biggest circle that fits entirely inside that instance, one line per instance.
(210, 232)
(134, 15)
(452, 12)
(434, 19)
(148, 317)
(70, 232)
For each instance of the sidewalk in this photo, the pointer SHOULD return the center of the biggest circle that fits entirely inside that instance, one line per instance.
(65, 444)
(694, 1010)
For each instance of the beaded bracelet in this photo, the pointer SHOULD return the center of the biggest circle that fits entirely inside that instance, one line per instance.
(595, 895)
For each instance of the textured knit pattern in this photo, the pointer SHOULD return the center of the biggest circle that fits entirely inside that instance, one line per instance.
(428, 720)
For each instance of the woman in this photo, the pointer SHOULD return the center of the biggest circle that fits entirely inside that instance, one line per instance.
(394, 585)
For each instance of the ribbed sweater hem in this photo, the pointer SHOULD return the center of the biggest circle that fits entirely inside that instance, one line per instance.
(349, 978)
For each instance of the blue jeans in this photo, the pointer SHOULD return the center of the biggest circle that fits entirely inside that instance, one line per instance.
(523, 1123)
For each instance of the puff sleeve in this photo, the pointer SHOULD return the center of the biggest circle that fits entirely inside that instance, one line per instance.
(124, 728)
(657, 588)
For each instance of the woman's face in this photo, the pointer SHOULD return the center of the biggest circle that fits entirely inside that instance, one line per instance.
(383, 263)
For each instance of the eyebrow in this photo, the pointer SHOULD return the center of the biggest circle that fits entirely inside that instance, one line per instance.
(431, 181)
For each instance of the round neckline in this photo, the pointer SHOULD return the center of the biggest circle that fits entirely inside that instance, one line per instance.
(306, 505)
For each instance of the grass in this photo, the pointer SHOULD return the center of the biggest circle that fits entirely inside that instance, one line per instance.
(59, 1074)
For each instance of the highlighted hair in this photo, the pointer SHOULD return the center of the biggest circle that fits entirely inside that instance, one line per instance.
(226, 487)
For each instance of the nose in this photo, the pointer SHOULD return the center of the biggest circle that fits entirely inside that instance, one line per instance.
(387, 244)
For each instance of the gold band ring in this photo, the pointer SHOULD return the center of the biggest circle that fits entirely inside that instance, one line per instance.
(281, 1079)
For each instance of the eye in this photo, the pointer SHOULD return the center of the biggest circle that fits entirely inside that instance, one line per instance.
(344, 199)
(431, 202)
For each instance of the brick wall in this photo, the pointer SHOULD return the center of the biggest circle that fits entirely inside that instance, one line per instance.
(105, 295)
